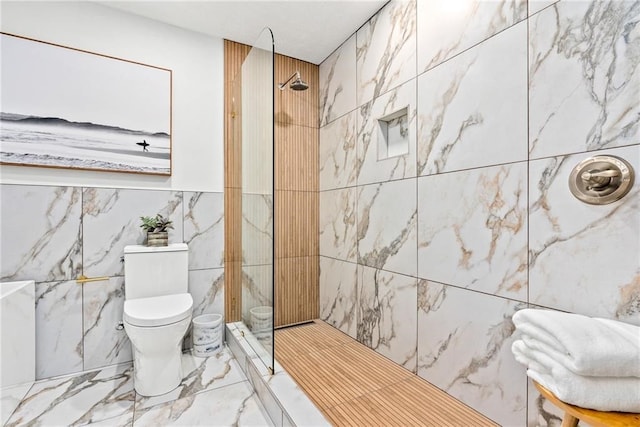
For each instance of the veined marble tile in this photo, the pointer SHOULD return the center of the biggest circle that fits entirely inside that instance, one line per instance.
(464, 348)
(125, 420)
(256, 289)
(204, 229)
(58, 329)
(472, 229)
(536, 6)
(541, 412)
(386, 318)
(583, 70)
(207, 290)
(235, 404)
(386, 50)
(200, 375)
(257, 229)
(41, 233)
(338, 224)
(338, 82)
(300, 410)
(111, 220)
(446, 28)
(387, 226)
(374, 162)
(581, 249)
(339, 294)
(338, 153)
(466, 116)
(103, 309)
(269, 402)
(78, 400)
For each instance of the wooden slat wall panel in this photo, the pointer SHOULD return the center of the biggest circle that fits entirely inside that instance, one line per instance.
(297, 290)
(297, 206)
(355, 386)
(297, 157)
(234, 55)
(296, 217)
(297, 201)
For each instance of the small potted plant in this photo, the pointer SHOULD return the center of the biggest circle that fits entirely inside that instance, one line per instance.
(157, 229)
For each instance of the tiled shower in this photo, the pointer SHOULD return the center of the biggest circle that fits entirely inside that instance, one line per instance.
(53, 234)
(426, 254)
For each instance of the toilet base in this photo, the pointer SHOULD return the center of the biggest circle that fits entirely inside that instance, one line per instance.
(153, 376)
(157, 357)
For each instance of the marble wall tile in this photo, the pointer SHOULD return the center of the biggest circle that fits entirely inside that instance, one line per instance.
(583, 71)
(338, 82)
(338, 224)
(256, 289)
(387, 316)
(464, 348)
(387, 226)
(102, 311)
(581, 249)
(204, 229)
(207, 290)
(541, 412)
(338, 153)
(447, 28)
(339, 294)
(386, 50)
(373, 163)
(58, 329)
(111, 220)
(78, 400)
(466, 116)
(536, 6)
(41, 233)
(472, 229)
(257, 229)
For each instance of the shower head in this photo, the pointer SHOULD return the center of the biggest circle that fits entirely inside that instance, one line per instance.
(297, 84)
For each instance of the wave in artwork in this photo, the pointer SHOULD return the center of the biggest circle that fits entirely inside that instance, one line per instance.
(54, 141)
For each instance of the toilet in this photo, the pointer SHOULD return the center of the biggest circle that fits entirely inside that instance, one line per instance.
(157, 313)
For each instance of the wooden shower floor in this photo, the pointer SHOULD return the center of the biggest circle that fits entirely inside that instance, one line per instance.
(355, 386)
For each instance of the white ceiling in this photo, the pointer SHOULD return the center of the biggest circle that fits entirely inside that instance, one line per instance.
(305, 29)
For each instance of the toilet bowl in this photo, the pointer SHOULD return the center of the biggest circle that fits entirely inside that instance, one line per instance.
(156, 327)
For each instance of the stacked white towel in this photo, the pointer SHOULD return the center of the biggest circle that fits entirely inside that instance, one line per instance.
(588, 362)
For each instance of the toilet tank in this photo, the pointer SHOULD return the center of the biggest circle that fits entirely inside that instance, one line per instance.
(155, 271)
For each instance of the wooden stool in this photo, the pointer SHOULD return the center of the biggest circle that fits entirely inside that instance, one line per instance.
(573, 414)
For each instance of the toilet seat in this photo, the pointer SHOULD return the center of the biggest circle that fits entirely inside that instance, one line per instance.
(157, 311)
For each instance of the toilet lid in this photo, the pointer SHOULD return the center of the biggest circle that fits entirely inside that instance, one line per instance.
(157, 311)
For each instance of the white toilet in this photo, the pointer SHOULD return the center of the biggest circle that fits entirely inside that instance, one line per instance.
(157, 313)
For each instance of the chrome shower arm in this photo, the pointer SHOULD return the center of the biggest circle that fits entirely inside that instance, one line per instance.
(281, 86)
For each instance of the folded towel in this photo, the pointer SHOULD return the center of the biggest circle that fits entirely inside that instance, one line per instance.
(584, 345)
(599, 393)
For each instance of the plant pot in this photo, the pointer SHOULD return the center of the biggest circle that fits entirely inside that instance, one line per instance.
(158, 238)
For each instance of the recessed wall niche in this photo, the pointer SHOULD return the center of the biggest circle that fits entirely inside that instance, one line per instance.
(393, 138)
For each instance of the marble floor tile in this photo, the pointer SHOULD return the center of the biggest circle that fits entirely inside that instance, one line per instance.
(236, 404)
(214, 391)
(200, 374)
(77, 400)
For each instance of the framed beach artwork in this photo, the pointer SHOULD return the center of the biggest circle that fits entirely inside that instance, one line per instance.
(68, 108)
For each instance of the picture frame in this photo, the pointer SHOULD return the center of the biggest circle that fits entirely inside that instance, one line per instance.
(63, 107)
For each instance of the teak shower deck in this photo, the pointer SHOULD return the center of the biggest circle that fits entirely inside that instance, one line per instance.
(354, 386)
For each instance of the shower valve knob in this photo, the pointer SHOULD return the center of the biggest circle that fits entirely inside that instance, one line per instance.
(600, 180)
